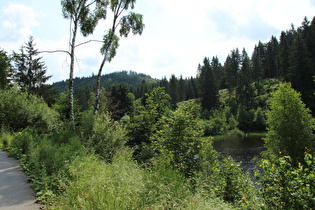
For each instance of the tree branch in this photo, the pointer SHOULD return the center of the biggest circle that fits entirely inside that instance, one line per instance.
(54, 51)
(90, 4)
(93, 40)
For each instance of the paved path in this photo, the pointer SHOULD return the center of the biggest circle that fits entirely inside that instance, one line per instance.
(15, 192)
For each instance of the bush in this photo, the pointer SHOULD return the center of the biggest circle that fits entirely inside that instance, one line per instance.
(238, 188)
(20, 110)
(220, 122)
(44, 160)
(178, 140)
(5, 139)
(285, 186)
(107, 137)
(290, 125)
(226, 181)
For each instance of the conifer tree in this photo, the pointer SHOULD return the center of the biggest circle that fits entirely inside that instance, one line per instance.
(232, 67)
(174, 90)
(284, 51)
(30, 70)
(207, 85)
(302, 70)
(181, 89)
(272, 64)
(244, 89)
(5, 70)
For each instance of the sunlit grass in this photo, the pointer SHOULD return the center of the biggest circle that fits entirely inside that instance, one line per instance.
(5, 139)
(122, 184)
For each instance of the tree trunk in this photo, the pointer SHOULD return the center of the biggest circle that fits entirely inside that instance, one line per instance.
(98, 86)
(71, 91)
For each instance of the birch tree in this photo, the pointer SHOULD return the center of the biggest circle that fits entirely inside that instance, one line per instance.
(124, 23)
(84, 19)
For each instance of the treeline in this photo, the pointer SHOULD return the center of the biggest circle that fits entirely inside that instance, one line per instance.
(130, 78)
(238, 90)
(291, 59)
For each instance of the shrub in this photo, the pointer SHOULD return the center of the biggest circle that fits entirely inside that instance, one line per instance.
(20, 110)
(44, 160)
(5, 139)
(220, 122)
(286, 186)
(290, 124)
(226, 181)
(177, 141)
(238, 188)
(107, 137)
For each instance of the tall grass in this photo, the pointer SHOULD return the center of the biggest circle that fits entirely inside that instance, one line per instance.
(66, 175)
(122, 184)
(45, 158)
(5, 139)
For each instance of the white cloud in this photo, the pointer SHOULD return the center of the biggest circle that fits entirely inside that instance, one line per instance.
(17, 21)
(282, 13)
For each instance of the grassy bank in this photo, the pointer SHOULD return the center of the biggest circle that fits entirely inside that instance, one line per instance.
(66, 175)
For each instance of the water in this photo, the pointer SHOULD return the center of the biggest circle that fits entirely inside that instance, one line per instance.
(242, 150)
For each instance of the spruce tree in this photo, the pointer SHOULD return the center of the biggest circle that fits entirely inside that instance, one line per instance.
(302, 70)
(244, 89)
(232, 67)
(272, 63)
(30, 70)
(174, 90)
(5, 70)
(181, 89)
(207, 85)
(284, 51)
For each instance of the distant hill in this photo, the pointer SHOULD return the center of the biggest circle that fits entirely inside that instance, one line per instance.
(128, 77)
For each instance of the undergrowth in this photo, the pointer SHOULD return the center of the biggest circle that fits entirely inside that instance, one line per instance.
(66, 175)
(122, 184)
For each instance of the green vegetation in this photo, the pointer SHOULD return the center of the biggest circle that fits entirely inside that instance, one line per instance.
(129, 78)
(5, 70)
(288, 185)
(288, 164)
(19, 110)
(290, 125)
(150, 145)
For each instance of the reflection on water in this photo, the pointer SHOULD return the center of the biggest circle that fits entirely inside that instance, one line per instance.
(241, 149)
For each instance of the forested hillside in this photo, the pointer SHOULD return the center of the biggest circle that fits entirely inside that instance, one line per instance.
(130, 78)
(290, 58)
(239, 88)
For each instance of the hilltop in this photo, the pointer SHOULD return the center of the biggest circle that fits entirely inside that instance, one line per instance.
(128, 77)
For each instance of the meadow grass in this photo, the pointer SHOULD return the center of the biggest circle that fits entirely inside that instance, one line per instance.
(66, 175)
(5, 139)
(122, 184)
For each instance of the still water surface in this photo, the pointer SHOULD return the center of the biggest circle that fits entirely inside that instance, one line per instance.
(242, 150)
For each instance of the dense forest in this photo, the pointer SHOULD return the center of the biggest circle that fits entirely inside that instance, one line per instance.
(148, 145)
(243, 83)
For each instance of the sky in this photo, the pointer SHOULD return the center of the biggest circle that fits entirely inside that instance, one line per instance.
(176, 38)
